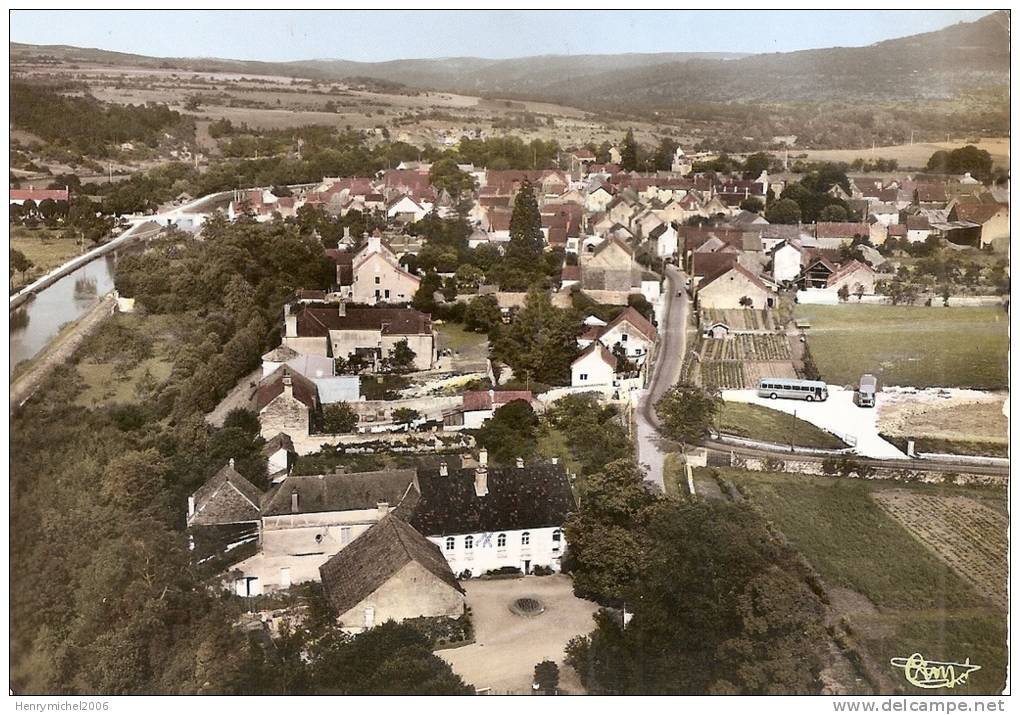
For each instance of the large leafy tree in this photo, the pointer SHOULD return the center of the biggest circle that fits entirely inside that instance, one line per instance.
(540, 343)
(511, 432)
(687, 412)
(718, 606)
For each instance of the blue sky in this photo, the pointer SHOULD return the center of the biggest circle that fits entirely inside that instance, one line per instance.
(384, 35)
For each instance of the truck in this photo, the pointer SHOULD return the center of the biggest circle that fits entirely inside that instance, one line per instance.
(864, 395)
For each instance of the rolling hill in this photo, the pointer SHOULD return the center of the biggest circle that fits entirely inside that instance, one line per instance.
(934, 65)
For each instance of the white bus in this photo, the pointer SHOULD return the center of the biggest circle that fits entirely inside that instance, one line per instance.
(776, 387)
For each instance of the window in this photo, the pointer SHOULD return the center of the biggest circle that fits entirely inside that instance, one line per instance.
(377, 280)
(501, 541)
(525, 538)
(469, 542)
(557, 538)
(450, 543)
(584, 377)
(623, 338)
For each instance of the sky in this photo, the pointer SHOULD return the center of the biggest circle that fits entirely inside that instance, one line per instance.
(401, 34)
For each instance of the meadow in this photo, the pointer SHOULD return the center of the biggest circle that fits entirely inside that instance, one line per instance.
(910, 345)
(904, 597)
(757, 422)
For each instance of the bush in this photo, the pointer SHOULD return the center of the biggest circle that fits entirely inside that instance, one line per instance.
(543, 571)
(338, 418)
(547, 676)
(504, 571)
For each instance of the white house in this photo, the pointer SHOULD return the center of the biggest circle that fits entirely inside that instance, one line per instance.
(631, 331)
(408, 210)
(595, 366)
(598, 199)
(786, 261)
(666, 242)
(488, 517)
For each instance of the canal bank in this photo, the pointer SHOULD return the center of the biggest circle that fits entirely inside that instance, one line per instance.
(59, 350)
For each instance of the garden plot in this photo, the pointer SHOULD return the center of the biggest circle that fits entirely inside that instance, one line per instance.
(947, 421)
(741, 361)
(741, 319)
(968, 536)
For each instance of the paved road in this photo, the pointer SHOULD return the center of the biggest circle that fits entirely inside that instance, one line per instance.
(669, 357)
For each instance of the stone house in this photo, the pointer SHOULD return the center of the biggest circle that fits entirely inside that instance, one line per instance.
(300, 522)
(993, 218)
(486, 518)
(728, 290)
(787, 257)
(377, 276)
(610, 267)
(858, 277)
(629, 329)
(390, 573)
(287, 401)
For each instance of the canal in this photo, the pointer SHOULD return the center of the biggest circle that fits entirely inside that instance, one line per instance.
(34, 324)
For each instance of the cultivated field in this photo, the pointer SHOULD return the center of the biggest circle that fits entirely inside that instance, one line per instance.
(913, 155)
(967, 535)
(757, 422)
(910, 345)
(739, 362)
(897, 593)
(741, 319)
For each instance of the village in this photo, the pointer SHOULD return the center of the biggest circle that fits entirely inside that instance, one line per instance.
(382, 363)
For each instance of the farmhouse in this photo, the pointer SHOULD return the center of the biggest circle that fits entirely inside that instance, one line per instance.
(488, 518)
(390, 573)
(288, 402)
(298, 524)
(20, 196)
(857, 277)
(377, 277)
(734, 288)
(595, 366)
(370, 333)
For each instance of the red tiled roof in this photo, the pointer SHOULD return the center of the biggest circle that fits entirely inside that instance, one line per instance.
(38, 195)
(739, 269)
(571, 273)
(484, 400)
(603, 352)
(976, 212)
(847, 269)
(632, 316)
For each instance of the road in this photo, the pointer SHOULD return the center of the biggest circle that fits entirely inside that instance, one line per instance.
(668, 359)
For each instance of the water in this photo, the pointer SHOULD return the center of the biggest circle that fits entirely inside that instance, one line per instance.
(37, 322)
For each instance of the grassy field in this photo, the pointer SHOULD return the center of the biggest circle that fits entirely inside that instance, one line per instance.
(471, 349)
(111, 371)
(44, 248)
(910, 345)
(912, 601)
(915, 155)
(757, 422)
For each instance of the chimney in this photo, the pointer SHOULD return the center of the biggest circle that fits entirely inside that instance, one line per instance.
(289, 323)
(555, 460)
(342, 309)
(347, 233)
(374, 243)
(443, 470)
(288, 390)
(231, 462)
(383, 507)
(482, 474)
(294, 507)
(520, 462)
(191, 506)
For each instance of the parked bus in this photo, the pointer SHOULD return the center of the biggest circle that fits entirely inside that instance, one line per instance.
(864, 395)
(776, 387)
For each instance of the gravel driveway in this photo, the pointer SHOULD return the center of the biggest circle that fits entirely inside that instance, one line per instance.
(507, 646)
